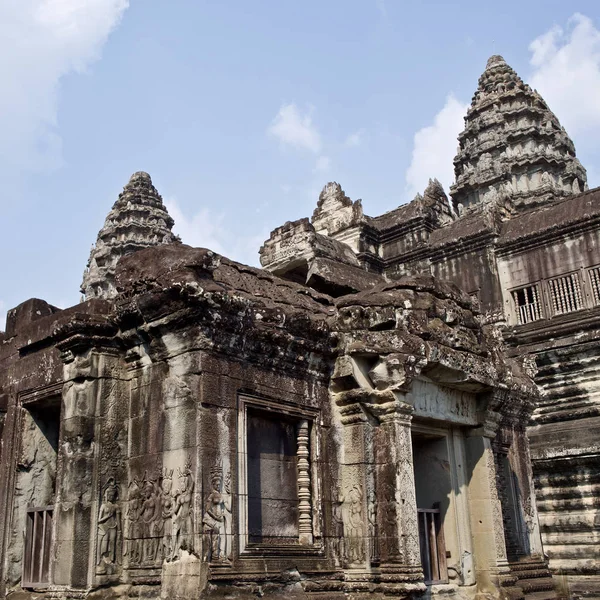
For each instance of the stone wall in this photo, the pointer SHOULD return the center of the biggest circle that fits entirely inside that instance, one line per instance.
(225, 431)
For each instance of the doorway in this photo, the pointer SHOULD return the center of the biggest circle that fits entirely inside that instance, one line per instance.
(433, 485)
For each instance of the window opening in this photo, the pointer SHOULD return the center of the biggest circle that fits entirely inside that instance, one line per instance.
(595, 281)
(527, 303)
(278, 495)
(41, 423)
(38, 536)
(566, 294)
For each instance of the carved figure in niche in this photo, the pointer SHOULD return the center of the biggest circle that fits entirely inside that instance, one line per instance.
(182, 523)
(109, 528)
(545, 179)
(165, 525)
(485, 162)
(338, 528)
(217, 517)
(148, 516)
(576, 188)
(135, 528)
(373, 529)
(354, 529)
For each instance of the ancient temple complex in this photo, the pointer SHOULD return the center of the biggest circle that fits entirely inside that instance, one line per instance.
(394, 406)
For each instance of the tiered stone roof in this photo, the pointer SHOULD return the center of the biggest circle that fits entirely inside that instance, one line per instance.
(138, 219)
(513, 151)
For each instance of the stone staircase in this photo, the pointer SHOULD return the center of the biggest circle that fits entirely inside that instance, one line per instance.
(534, 578)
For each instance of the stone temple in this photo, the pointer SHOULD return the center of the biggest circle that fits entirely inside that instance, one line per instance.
(403, 406)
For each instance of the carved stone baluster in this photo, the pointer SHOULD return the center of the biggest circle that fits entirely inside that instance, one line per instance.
(304, 506)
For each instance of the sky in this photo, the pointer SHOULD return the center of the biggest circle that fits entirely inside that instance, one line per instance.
(242, 111)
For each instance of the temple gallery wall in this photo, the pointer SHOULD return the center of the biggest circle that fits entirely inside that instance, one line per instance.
(393, 406)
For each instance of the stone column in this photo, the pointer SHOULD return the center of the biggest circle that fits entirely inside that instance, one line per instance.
(491, 565)
(397, 506)
(352, 485)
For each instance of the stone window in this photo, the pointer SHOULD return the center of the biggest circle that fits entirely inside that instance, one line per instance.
(595, 282)
(275, 475)
(527, 304)
(36, 475)
(565, 294)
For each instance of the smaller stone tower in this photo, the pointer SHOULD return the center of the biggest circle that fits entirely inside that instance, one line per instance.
(138, 219)
(513, 152)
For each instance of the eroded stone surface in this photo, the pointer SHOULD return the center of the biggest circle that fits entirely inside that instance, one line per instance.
(225, 432)
(201, 428)
(138, 219)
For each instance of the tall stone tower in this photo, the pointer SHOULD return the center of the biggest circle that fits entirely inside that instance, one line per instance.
(513, 151)
(138, 219)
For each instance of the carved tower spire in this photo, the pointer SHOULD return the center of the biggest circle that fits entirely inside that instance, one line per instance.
(138, 219)
(513, 151)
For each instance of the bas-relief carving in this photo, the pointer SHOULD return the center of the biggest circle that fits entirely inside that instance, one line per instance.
(217, 519)
(160, 520)
(109, 531)
(407, 496)
(498, 522)
(432, 401)
(372, 507)
(165, 525)
(350, 504)
(182, 518)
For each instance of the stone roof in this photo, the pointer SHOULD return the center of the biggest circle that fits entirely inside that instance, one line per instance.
(572, 211)
(420, 321)
(432, 203)
(513, 151)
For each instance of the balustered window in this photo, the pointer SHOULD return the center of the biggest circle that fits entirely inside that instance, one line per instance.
(36, 557)
(595, 282)
(527, 304)
(276, 476)
(565, 294)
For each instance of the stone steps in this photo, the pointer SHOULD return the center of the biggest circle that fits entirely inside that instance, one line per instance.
(534, 578)
(541, 596)
(539, 584)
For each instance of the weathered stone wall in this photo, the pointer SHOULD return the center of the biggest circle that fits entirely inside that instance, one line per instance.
(157, 490)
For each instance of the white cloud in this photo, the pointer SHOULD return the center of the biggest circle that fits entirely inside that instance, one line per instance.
(354, 139)
(435, 147)
(323, 164)
(40, 42)
(295, 129)
(566, 72)
(204, 229)
(381, 7)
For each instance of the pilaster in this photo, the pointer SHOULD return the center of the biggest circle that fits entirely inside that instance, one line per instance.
(491, 565)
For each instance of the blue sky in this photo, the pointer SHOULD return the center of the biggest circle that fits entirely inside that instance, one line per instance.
(241, 111)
